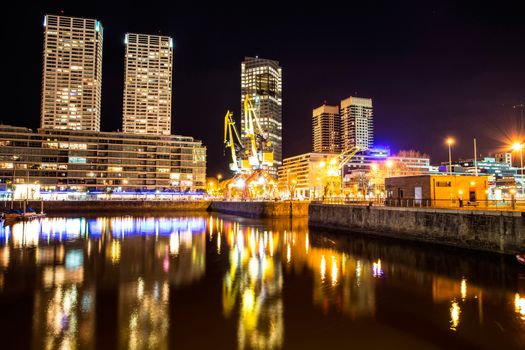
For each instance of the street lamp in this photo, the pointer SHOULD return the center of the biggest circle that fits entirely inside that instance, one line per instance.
(450, 142)
(519, 147)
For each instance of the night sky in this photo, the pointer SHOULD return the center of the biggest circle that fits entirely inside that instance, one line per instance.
(433, 68)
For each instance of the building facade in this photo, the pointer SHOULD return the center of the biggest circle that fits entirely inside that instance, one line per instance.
(357, 127)
(302, 175)
(148, 84)
(261, 81)
(100, 161)
(504, 157)
(437, 190)
(326, 129)
(366, 171)
(72, 73)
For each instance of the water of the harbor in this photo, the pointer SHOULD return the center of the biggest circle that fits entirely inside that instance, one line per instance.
(223, 282)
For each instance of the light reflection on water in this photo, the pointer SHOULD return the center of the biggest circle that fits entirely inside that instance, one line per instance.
(65, 265)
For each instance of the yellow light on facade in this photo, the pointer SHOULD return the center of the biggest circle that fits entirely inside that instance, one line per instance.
(389, 163)
(373, 166)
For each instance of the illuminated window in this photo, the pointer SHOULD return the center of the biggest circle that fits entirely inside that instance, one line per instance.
(77, 160)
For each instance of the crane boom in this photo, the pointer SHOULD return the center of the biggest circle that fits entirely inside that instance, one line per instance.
(345, 156)
(231, 138)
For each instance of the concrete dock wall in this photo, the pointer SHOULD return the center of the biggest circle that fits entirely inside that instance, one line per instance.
(135, 207)
(262, 209)
(502, 232)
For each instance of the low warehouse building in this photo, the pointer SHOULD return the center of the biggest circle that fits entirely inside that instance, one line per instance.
(437, 190)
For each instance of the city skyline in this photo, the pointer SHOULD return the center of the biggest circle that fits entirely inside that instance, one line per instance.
(470, 93)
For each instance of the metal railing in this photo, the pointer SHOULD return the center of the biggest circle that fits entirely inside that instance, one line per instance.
(501, 205)
(351, 201)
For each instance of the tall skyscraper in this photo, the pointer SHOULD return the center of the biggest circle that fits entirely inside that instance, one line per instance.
(147, 84)
(357, 127)
(72, 73)
(326, 129)
(261, 80)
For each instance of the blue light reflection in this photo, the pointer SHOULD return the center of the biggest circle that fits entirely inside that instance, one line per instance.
(61, 229)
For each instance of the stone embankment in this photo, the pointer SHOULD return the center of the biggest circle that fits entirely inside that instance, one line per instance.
(112, 207)
(267, 209)
(501, 232)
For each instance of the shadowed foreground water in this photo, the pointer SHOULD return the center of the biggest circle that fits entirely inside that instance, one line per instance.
(214, 282)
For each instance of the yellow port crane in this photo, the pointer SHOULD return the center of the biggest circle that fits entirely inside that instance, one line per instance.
(260, 150)
(332, 177)
(251, 154)
(232, 141)
(256, 151)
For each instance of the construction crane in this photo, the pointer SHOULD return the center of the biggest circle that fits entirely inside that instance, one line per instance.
(260, 148)
(333, 184)
(252, 154)
(232, 141)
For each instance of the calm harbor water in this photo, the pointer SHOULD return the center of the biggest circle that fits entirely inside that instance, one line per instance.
(213, 281)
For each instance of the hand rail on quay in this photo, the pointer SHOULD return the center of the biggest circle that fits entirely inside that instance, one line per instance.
(492, 204)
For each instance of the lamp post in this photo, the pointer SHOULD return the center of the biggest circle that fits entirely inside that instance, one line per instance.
(288, 182)
(519, 147)
(15, 158)
(450, 142)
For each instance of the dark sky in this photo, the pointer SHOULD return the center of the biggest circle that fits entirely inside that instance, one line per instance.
(433, 68)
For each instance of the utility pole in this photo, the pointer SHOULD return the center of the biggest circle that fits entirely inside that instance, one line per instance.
(475, 159)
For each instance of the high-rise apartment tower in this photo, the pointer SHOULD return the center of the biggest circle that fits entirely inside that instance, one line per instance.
(261, 80)
(72, 73)
(326, 129)
(147, 84)
(357, 127)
